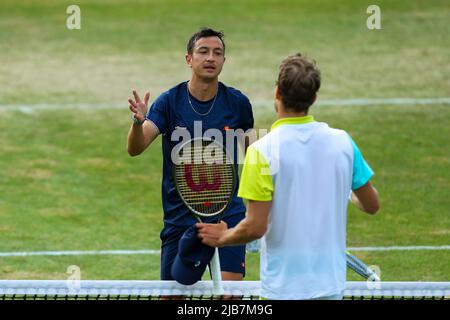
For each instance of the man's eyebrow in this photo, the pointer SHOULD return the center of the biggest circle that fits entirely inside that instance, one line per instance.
(206, 47)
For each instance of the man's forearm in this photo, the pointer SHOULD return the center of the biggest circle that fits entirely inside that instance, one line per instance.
(243, 233)
(136, 140)
(366, 198)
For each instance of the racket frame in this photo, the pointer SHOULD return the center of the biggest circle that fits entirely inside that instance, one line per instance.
(360, 267)
(214, 265)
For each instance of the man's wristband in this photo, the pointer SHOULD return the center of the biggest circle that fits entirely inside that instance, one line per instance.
(137, 121)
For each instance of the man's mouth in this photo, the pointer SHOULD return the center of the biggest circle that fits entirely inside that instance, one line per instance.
(209, 67)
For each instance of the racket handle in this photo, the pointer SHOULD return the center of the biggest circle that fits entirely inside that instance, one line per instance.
(216, 274)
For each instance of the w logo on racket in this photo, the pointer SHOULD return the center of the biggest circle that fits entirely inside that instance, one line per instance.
(204, 176)
(203, 183)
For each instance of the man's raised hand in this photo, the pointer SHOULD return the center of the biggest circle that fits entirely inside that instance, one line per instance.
(139, 107)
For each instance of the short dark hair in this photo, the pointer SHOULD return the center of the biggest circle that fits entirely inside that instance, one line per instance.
(298, 82)
(204, 33)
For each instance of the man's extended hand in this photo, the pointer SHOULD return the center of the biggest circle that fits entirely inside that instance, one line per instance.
(211, 233)
(138, 107)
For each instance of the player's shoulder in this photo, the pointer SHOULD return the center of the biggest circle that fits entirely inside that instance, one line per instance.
(233, 92)
(265, 143)
(324, 128)
(333, 136)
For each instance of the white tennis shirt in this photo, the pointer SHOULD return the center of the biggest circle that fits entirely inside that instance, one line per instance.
(307, 170)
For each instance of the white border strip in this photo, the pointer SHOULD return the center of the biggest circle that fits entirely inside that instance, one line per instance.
(78, 253)
(399, 248)
(157, 252)
(390, 101)
(30, 108)
(368, 102)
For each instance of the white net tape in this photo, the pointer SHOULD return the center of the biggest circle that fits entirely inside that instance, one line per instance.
(203, 289)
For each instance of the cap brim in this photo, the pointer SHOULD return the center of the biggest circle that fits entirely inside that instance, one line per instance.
(185, 273)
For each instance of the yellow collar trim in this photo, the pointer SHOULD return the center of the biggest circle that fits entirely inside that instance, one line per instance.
(292, 120)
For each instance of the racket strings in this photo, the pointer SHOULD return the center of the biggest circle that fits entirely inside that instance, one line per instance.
(204, 155)
(203, 199)
(205, 177)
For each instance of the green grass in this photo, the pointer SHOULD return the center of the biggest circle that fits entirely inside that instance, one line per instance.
(142, 44)
(67, 183)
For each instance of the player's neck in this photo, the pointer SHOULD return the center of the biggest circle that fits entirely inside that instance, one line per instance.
(283, 113)
(203, 90)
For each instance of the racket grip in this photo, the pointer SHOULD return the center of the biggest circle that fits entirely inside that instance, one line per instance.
(216, 274)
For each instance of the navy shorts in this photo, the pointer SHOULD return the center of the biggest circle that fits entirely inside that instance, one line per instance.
(232, 258)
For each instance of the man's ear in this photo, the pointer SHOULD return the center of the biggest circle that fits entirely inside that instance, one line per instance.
(188, 58)
(277, 93)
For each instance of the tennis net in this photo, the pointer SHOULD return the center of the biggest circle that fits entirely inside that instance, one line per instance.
(154, 290)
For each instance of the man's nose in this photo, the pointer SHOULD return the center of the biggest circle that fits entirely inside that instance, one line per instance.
(210, 56)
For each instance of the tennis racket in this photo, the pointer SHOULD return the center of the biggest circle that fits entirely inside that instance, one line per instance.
(360, 268)
(205, 179)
